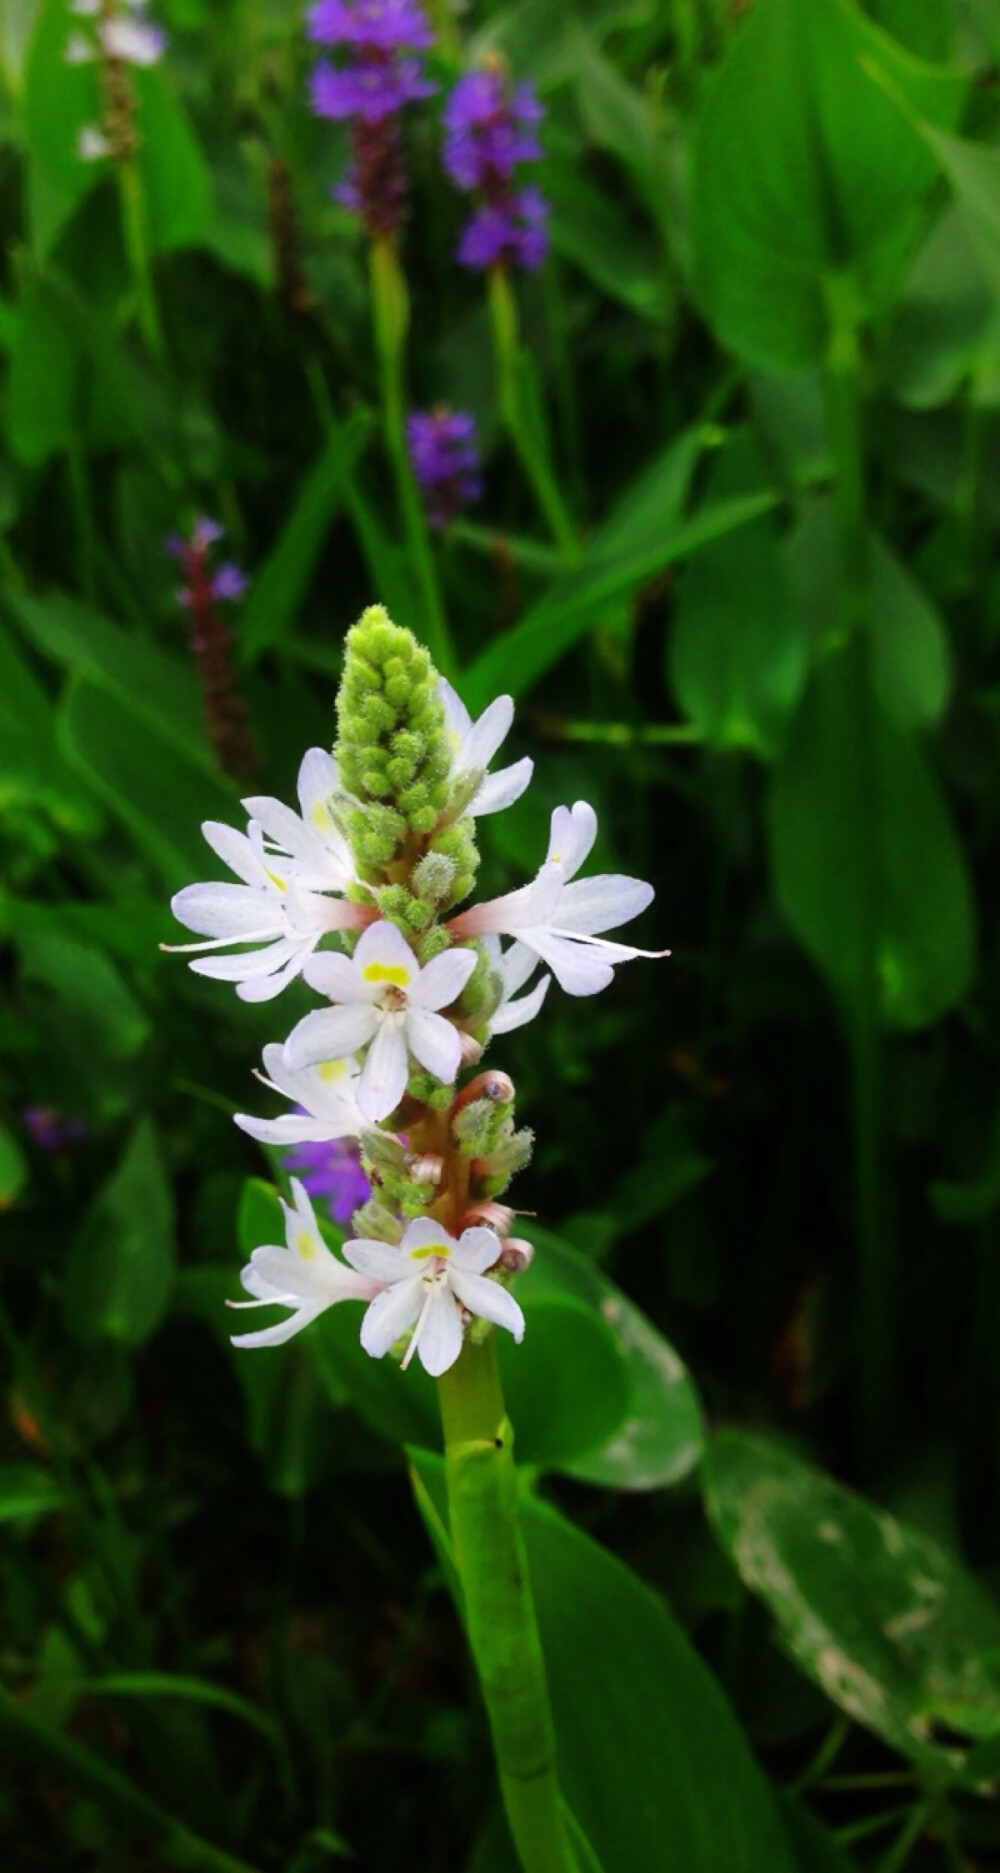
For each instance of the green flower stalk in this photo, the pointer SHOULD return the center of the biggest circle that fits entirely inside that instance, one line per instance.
(357, 893)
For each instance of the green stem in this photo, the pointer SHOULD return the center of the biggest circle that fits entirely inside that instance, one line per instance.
(134, 232)
(391, 313)
(903, 1846)
(521, 419)
(499, 1614)
(876, 1281)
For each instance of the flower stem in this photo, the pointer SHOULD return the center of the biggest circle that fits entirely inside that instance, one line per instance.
(517, 407)
(390, 313)
(499, 1614)
(134, 233)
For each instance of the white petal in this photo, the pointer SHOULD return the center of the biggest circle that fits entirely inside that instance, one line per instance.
(532, 904)
(329, 1034)
(440, 1333)
(423, 1232)
(390, 1314)
(234, 912)
(336, 976)
(435, 1043)
(248, 964)
(485, 737)
(235, 850)
(258, 988)
(516, 1014)
(476, 1250)
(318, 781)
(501, 790)
(572, 835)
(490, 1301)
(385, 1072)
(515, 967)
(457, 719)
(79, 51)
(380, 1260)
(293, 1128)
(591, 905)
(576, 968)
(383, 947)
(443, 979)
(283, 1330)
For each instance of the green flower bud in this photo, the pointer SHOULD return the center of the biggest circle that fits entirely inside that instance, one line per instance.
(434, 942)
(511, 1154)
(434, 876)
(373, 1219)
(458, 844)
(429, 1091)
(392, 746)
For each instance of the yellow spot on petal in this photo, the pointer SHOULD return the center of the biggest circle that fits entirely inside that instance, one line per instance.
(432, 1248)
(280, 882)
(320, 817)
(332, 1070)
(305, 1245)
(396, 973)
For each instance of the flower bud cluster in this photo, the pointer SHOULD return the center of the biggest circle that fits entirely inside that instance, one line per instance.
(356, 893)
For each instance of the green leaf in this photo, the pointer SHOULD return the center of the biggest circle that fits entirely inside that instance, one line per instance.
(661, 1439)
(13, 1168)
(814, 1848)
(834, 185)
(867, 867)
(58, 99)
(567, 1386)
(176, 184)
(947, 323)
(645, 534)
(120, 1268)
(44, 393)
(159, 795)
(653, 1765)
(738, 653)
(26, 1490)
(164, 1684)
(973, 170)
(589, 229)
(894, 1630)
(279, 586)
(32, 768)
(96, 1014)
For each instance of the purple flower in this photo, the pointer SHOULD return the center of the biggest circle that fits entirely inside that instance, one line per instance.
(371, 90)
(332, 1172)
(490, 130)
(488, 133)
(445, 461)
(229, 582)
(50, 1129)
(515, 231)
(383, 25)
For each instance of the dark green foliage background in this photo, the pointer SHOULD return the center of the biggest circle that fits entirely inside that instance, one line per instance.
(758, 1400)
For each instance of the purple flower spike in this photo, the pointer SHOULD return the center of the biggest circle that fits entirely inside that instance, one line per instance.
(332, 1173)
(382, 25)
(382, 73)
(229, 582)
(490, 130)
(445, 461)
(369, 91)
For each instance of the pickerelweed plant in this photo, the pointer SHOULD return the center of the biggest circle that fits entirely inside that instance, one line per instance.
(379, 859)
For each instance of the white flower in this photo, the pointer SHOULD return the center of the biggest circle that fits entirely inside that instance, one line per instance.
(327, 1092)
(386, 999)
(558, 921)
(474, 744)
(427, 1280)
(303, 1276)
(79, 51)
(311, 848)
(91, 144)
(131, 41)
(269, 908)
(514, 966)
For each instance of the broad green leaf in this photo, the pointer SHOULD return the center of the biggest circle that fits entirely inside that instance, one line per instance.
(153, 684)
(176, 185)
(867, 867)
(947, 323)
(13, 1168)
(617, 116)
(95, 1010)
(814, 1848)
(566, 1386)
(120, 1268)
(44, 394)
(645, 534)
(59, 98)
(925, 27)
(653, 1764)
(833, 185)
(160, 796)
(25, 1490)
(32, 766)
(973, 170)
(280, 584)
(661, 1438)
(911, 665)
(738, 654)
(893, 1629)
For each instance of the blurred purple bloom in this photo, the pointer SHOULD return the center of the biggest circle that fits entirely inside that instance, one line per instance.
(384, 25)
(229, 582)
(50, 1129)
(445, 461)
(513, 231)
(370, 90)
(487, 132)
(331, 1173)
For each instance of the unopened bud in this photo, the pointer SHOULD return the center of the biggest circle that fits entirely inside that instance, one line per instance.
(497, 1087)
(472, 1050)
(373, 1219)
(382, 1149)
(491, 1215)
(427, 1169)
(516, 1255)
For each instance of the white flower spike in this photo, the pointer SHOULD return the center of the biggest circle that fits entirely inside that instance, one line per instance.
(389, 1004)
(426, 1281)
(303, 1276)
(269, 909)
(475, 744)
(558, 921)
(326, 1092)
(311, 849)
